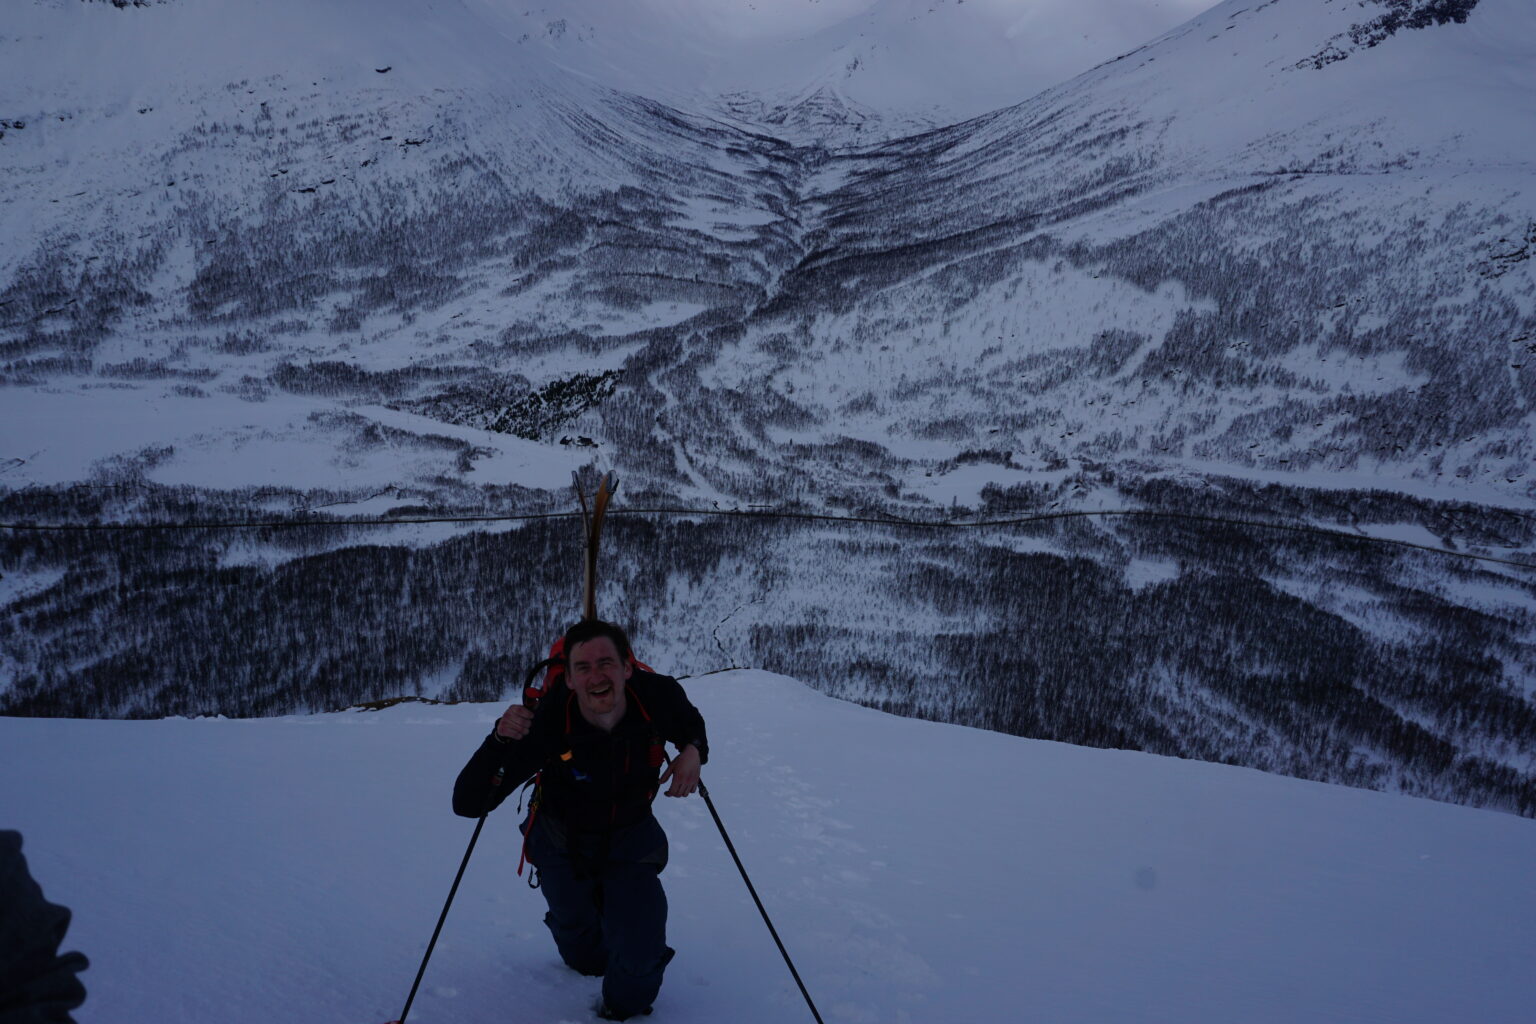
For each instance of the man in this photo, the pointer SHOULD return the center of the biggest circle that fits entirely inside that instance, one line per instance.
(590, 833)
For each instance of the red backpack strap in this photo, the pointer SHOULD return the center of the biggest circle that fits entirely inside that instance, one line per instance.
(553, 668)
(657, 752)
(554, 671)
(533, 815)
(638, 703)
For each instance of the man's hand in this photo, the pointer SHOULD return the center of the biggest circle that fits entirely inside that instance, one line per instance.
(684, 772)
(515, 723)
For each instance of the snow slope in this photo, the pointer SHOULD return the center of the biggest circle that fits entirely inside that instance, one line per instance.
(292, 869)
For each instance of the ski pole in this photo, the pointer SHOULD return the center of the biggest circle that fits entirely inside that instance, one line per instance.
(704, 792)
(495, 785)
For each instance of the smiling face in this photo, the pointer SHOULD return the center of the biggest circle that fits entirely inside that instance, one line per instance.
(597, 673)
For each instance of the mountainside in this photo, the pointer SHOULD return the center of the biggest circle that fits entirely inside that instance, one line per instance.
(915, 872)
(1196, 256)
(307, 262)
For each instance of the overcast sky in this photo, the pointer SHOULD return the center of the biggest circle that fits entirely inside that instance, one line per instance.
(781, 18)
(935, 60)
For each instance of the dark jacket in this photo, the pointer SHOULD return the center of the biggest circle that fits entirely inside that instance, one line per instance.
(37, 985)
(593, 780)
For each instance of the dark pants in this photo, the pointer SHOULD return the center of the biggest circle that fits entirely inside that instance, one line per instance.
(607, 910)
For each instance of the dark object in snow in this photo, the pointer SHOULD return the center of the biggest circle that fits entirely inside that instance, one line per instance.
(37, 985)
(554, 404)
(384, 71)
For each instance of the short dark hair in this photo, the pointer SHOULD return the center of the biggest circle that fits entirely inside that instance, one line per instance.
(593, 629)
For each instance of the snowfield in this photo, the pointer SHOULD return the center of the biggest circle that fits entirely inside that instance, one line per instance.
(292, 869)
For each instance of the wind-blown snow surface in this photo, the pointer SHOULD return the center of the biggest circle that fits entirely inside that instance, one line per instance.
(292, 869)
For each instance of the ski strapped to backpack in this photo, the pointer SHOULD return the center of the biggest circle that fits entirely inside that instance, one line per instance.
(554, 665)
(592, 520)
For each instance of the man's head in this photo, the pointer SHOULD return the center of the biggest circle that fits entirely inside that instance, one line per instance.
(597, 665)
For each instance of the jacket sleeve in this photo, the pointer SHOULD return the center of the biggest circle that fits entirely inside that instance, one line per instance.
(37, 985)
(474, 791)
(684, 723)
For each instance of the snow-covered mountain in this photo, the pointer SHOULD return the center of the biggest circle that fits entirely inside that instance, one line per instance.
(1198, 257)
(1232, 248)
(231, 871)
(315, 259)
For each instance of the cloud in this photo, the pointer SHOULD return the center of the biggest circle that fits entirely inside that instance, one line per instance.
(760, 19)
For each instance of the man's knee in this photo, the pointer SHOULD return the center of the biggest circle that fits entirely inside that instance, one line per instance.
(580, 947)
(574, 919)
